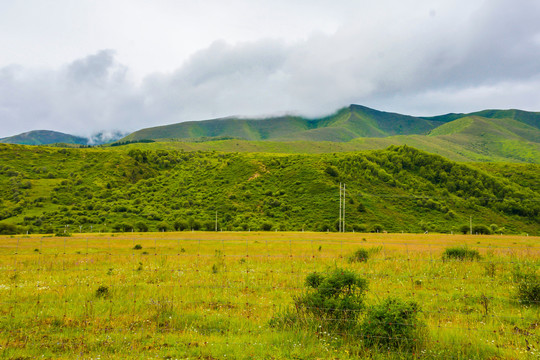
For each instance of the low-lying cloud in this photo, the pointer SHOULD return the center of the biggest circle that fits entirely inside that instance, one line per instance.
(438, 63)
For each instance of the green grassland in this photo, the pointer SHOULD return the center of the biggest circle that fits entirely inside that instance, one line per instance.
(399, 189)
(208, 295)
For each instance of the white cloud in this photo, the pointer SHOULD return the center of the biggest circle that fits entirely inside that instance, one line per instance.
(430, 58)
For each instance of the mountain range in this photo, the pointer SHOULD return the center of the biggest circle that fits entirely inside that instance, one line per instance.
(489, 135)
(47, 137)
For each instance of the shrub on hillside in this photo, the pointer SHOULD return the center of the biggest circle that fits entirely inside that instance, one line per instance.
(180, 225)
(359, 227)
(461, 253)
(481, 230)
(266, 226)
(332, 171)
(464, 229)
(141, 227)
(122, 227)
(163, 226)
(8, 229)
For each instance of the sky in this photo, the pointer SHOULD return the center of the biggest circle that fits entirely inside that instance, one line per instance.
(87, 66)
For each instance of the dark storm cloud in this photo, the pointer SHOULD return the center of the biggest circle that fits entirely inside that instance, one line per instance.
(434, 62)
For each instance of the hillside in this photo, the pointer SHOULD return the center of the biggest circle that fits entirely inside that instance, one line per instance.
(44, 137)
(469, 139)
(48, 137)
(489, 135)
(396, 189)
(346, 124)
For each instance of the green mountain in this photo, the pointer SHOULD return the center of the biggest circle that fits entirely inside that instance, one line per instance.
(45, 189)
(490, 135)
(529, 118)
(48, 137)
(346, 124)
(44, 137)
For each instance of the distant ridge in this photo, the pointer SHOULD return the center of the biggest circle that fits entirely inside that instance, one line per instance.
(44, 137)
(352, 122)
(488, 135)
(47, 137)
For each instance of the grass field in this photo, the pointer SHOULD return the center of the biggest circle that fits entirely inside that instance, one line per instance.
(212, 295)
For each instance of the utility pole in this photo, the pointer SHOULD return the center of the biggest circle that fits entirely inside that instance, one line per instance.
(339, 226)
(343, 227)
(216, 220)
(470, 224)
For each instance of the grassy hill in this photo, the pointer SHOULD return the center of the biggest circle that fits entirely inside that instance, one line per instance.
(122, 188)
(349, 123)
(490, 135)
(469, 139)
(346, 124)
(44, 137)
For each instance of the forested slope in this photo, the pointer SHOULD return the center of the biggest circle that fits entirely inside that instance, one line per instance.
(45, 189)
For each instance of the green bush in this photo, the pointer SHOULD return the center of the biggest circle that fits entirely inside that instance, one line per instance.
(163, 226)
(102, 292)
(461, 253)
(8, 229)
(333, 301)
(180, 225)
(393, 324)
(359, 227)
(332, 171)
(528, 286)
(481, 230)
(122, 227)
(142, 227)
(464, 229)
(266, 226)
(360, 255)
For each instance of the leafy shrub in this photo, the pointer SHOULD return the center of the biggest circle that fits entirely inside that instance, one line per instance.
(461, 253)
(163, 226)
(266, 226)
(464, 229)
(8, 229)
(393, 324)
(137, 247)
(59, 234)
(122, 227)
(180, 225)
(102, 292)
(481, 229)
(528, 286)
(333, 301)
(330, 170)
(360, 255)
(142, 227)
(359, 227)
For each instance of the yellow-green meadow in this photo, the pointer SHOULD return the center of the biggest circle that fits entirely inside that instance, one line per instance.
(216, 295)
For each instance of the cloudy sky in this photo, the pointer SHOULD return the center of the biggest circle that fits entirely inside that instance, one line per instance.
(89, 65)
